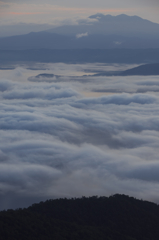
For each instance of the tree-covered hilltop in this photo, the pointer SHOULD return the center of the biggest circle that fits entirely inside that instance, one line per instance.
(118, 217)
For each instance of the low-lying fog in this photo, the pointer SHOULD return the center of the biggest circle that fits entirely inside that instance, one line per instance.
(69, 135)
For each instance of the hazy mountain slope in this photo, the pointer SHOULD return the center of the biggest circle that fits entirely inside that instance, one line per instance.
(56, 41)
(118, 217)
(106, 32)
(34, 41)
(106, 24)
(127, 56)
(22, 28)
(144, 70)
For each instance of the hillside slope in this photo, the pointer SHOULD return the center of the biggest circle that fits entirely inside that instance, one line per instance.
(143, 70)
(109, 25)
(128, 56)
(103, 32)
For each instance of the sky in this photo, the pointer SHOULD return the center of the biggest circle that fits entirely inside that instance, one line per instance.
(72, 136)
(59, 12)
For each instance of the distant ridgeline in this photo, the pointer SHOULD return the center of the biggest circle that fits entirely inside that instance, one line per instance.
(118, 217)
(143, 70)
(128, 56)
(104, 32)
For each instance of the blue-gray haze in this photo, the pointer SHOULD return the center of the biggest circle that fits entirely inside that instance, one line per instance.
(69, 136)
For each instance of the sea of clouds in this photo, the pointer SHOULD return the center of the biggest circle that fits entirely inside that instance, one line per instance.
(73, 136)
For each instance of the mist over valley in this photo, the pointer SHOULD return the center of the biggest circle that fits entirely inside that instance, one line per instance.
(79, 111)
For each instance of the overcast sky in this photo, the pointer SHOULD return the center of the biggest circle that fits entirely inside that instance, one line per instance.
(54, 12)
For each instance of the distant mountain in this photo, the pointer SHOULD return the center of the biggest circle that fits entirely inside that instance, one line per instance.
(35, 40)
(144, 70)
(8, 58)
(22, 28)
(103, 32)
(45, 40)
(121, 25)
(118, 217)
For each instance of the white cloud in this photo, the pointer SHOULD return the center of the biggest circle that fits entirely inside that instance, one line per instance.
(54, 142)
(80, 35)
(117, 43)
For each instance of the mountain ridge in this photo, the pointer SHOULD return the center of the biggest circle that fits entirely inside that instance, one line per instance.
(121, 31)
(108, 24)
(151, 69)
(56, 41)
(128, 56)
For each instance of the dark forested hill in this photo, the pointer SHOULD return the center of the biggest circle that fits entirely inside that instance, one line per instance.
(118, 217)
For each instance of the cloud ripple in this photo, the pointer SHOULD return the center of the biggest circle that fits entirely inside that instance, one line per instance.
(54, 142)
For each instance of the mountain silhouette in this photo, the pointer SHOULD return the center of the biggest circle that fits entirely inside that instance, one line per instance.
(122, 25)
(143, 70)
(102, 32)
(118, 217)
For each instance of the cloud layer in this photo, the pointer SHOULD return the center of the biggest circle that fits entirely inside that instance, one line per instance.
(55, 141)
